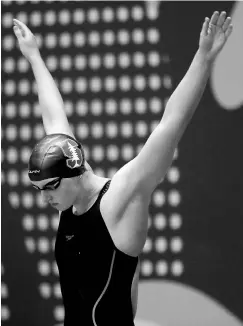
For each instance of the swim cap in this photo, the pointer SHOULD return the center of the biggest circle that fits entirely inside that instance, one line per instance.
(56, 155)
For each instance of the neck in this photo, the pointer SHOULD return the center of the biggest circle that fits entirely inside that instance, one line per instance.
(89, 188)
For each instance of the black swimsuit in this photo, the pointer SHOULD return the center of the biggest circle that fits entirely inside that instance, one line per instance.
(95, 276)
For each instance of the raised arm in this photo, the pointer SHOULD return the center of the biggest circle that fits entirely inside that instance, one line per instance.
(150, 166)
(51, 103)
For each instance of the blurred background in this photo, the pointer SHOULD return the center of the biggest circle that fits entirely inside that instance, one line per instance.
(116, 64)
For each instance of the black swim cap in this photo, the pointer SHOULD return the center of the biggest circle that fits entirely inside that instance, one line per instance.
(56, 155)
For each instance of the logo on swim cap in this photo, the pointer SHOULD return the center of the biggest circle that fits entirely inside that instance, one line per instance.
(34, 171)
(70, 149)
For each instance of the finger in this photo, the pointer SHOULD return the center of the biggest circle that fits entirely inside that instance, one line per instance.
(21, 25)
(226, 23)
(214, 18)
(205, 27)
(17, 32)
(221, 19)
(229, 31)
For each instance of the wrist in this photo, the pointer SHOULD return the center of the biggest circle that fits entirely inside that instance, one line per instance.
(203, 58)
(34, 57)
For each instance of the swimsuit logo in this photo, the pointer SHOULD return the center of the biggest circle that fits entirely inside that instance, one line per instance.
(69, 237)
(71, 150)
(34, 171)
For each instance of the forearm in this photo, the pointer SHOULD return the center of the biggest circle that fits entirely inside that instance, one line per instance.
(51, 103)
(184, 100)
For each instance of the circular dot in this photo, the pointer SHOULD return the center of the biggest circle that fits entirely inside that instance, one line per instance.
(12, 177)
(35, 18)
(97, 130)
(154, 82)
(7, 18)
(51, 63)
(153, 35)
(139, 83)
(153, 59)
(8, 42)
(155, 105)
(161, 244)
(40, 201)
(24, 178)
(167, 82)
(9, 65)
(25, 154)
(66, 85)
(96, 107)
(141, 129)
(9, 87)
(122, 14)
(177, 268)
(93, 16)
(148, 246)
(81, 84)
(5, 313)
(68, 105)
(79, 40)
(126, 106)
(25, 132)
(11, 132)
(125, 83)
(123, 37)
(10, 110)
(107, 14)
(94, 38)
(124, 60)
(138, 36)
(80, 62)
(98, 153)
(59, 313)
(65, 40)
(160, 221)
(173, 175)
(28, 223)
(161, 268)
(12, 155)
(57, 291)
(108, 37)
(42, 222)
(175, 221)
(82, 130)
(50, 18)
(78, 16)
(4, 291)
(126, 129)
(146, 268)
(137, 13)
(44, 267)
(138, 59)
(109, 61)
(176, 244)
(55, 269)
(45, 290)
(95, 84)
(55, 222)
(27, 200)
(43, 245)
(140, 105)
(127, 152)
(38, 131)
(152, 10)
(24, 110)
(110, 84)
(30, 244)
(66, 63)
(174, 198)
(64, 17)
(50, 40)
(23, 87)
(94, 61)
(112, 152)
(111, 130)
(111, 106)
(158, 198)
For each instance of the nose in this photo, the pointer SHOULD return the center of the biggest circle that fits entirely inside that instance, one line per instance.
(45, 196)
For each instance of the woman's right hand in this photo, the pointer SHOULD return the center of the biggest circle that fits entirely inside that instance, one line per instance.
(26, 39)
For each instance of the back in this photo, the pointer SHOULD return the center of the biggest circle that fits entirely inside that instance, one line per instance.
(95, 276)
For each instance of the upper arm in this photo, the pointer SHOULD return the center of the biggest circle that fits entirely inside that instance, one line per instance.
(134, 290)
